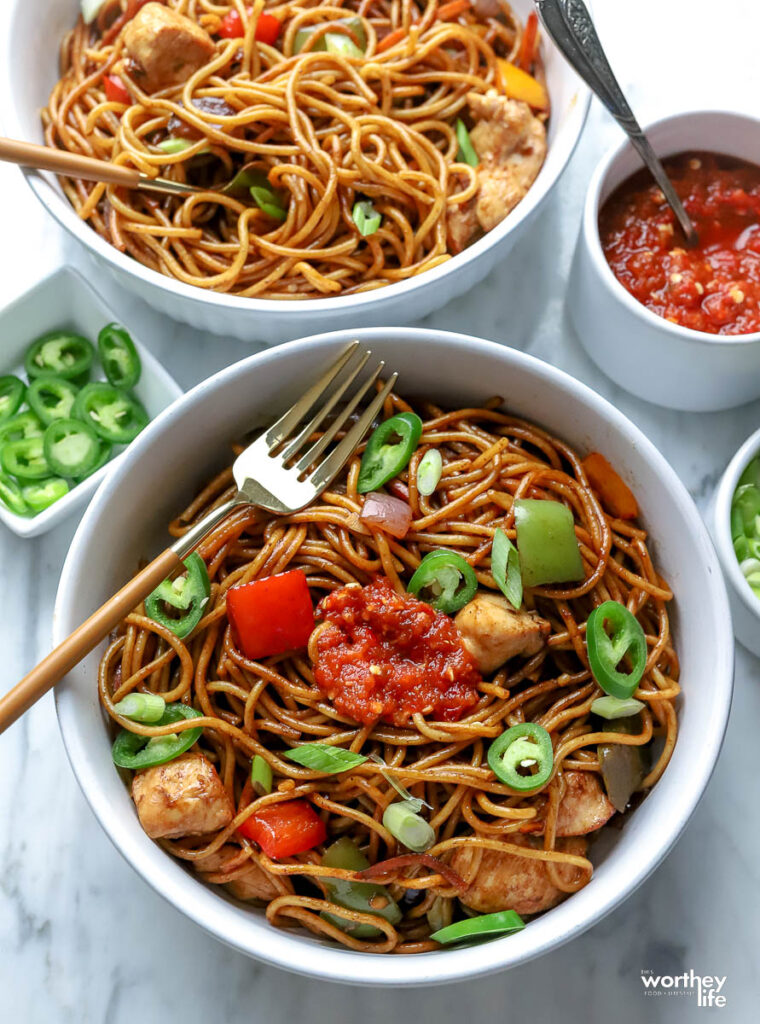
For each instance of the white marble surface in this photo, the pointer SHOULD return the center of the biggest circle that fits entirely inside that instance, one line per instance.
(83, 939)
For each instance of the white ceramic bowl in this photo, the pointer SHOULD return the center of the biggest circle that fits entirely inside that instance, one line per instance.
(64, 299)
(745, 607)
(653, 358)
(181, 449)
(28, 70)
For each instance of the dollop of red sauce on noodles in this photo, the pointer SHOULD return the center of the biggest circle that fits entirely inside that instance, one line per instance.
(383, 655)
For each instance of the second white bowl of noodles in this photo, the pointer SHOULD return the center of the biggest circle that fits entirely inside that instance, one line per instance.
(159, 477)
(28, 72)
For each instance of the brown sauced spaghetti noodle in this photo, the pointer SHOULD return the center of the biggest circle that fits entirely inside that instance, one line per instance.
(267, 707)
(325, 128)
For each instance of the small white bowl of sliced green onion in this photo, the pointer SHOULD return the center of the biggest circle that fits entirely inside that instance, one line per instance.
(735, 522)
(75, 389)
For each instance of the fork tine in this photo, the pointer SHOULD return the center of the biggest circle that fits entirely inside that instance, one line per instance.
(280, 430)
(321, 413)
(329, 435)
(337, 458)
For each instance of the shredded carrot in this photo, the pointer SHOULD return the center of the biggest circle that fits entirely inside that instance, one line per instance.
(453, 9)
(528, 44)
(614, 493)
(390, 40)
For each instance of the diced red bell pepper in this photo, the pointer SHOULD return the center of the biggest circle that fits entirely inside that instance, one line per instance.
(285, 829)
(116, 91)
(272, 615)
(267, 27)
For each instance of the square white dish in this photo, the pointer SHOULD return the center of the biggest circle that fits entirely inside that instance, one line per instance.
(64, 299)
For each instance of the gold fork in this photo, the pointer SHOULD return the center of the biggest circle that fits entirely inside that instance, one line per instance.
(279, 472)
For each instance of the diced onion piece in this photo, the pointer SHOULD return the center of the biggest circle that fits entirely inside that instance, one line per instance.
(429, 471)
(390, 514)
(141, 707)
(90, 10)
(411, 829)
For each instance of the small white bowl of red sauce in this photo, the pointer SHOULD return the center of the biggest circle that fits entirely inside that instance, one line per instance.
(675, 325)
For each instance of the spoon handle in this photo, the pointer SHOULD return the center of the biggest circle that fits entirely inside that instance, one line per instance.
(569, 26)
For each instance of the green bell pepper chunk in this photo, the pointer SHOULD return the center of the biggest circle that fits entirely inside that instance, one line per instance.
(449, 578)
(119, 357)
(178, 604)
(546, 540)
(623, 765)
(389, 450)
(527, 746)
(355, 895)
(133, 751)
(607, 650)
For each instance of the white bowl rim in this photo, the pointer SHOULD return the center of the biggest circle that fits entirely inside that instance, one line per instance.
(563, 145)
(722, 518)
(284, 950)
(604, 272)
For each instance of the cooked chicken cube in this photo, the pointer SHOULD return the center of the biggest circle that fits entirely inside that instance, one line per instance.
(184, 797)
(584, 807)
(166, 47)
(511, 146)
(493, 632)
(250, 882)
(506, 881)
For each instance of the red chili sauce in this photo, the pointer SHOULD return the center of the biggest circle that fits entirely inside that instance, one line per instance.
(386, 656)
(714, 287)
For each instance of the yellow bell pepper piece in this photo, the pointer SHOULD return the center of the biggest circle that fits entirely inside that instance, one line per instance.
(519, 85)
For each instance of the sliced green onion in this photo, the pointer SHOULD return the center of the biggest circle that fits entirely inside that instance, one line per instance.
(142, 707)
(172, 145)
(323, 757)
(261, 775)
(501, 923)
(466, 153)
(505, 568)
(269, 202)
(616, 707)
(366, 217)
(429, 471)
(410, 828)
(393, 781)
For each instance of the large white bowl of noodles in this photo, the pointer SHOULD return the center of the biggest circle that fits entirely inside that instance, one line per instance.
(181, 448)
(28, 71)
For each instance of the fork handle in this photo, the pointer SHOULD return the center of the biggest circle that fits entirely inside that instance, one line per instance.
(74, 165)
(84, 639)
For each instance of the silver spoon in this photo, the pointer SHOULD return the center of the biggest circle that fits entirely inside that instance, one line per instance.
(568, 24)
